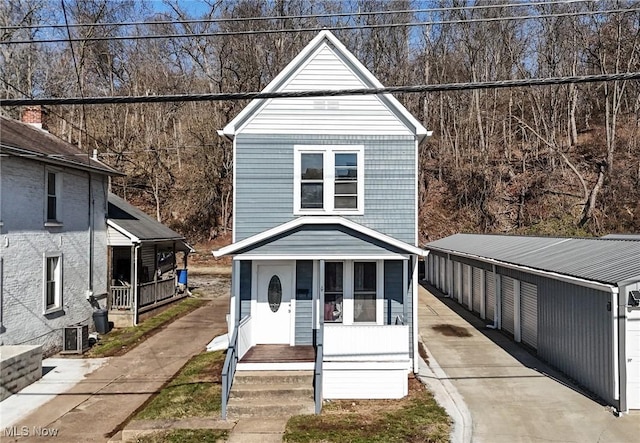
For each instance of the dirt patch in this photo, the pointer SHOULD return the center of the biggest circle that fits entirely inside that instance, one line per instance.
(451, 330)
(423, 352)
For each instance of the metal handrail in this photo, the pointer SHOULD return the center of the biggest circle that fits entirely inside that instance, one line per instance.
(317, 379)
(229, 370)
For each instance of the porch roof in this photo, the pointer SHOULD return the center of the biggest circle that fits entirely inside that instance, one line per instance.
(140, 227)
(320, 238)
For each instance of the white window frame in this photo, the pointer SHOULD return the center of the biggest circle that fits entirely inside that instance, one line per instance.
(328, 152)
(58, 195)
(348, 290)
(57, 306)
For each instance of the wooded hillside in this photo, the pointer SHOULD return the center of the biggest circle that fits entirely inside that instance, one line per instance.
(557, 160)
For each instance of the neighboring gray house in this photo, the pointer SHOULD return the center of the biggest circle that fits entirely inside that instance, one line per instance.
(53, 239)
(574, 301)
(325, 228)
(144, 251)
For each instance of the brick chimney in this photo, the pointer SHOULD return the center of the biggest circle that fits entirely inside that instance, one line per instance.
(33, 116)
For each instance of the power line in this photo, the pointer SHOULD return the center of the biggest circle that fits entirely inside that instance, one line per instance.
(318, 29)
(303, 16)
(322, 93)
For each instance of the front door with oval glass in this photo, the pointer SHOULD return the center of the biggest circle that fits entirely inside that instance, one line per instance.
(275, 286)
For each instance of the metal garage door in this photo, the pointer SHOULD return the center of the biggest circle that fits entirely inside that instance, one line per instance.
(490, 291)
(457, 290)
(507, 303)
(443, 285)
(466, 286)
(633, 359)
(477, 289)
(529, 313)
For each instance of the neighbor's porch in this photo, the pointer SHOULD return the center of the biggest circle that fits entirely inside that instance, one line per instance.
(143, 278)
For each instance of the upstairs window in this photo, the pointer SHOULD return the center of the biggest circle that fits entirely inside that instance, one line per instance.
(328, 180)
(53, 196)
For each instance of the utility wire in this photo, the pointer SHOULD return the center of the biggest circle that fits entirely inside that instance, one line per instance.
(304, 16)
(318, 29)
(322, 93)
(75, 65)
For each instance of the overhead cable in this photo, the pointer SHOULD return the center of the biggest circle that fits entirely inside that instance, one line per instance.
(303, 16)
(322, 93)
(318, 29)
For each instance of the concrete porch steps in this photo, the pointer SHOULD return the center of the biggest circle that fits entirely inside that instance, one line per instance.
(271, 394)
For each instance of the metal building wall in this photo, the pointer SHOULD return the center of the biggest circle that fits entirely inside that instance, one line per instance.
(490, 291)
(575, 332)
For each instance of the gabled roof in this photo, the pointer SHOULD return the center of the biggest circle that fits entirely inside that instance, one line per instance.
(137, 225)
(392, 245)
(325, 38)
(599, 260)
(23, 140)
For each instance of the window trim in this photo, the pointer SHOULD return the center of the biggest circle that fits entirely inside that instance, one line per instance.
(58, 196)
(328, 152)
(348, 286)
(57, 306)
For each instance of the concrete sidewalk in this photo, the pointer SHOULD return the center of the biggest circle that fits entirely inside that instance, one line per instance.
(511, 395)
(95, 409)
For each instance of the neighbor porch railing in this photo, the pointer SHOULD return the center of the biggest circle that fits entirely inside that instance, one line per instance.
(154, 292)
(121, 297)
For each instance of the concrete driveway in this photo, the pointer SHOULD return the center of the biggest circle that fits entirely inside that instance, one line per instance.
(511, 395)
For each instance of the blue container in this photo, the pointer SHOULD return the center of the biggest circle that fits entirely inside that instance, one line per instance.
(182, 276)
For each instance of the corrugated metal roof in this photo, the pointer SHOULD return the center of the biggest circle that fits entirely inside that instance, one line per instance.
(605, 261)
(19, 138)
(622, 237)
(138, 223)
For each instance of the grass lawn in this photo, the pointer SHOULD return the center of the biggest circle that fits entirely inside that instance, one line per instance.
(194, 392)
(185, 436)
(415, 418)
(119, 341)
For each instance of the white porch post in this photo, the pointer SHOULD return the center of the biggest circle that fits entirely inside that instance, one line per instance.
(414, 287)
(234, 297)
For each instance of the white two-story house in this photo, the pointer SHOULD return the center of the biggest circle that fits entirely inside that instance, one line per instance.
(53, 240)
(325, 230)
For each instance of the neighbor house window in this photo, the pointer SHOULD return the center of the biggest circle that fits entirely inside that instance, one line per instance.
(329, 179)
(52, 282)
(333, 292)
(364, 292)
(53, 191)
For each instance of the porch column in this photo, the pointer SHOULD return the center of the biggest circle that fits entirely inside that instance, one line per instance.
(414, 326)
(234, 299)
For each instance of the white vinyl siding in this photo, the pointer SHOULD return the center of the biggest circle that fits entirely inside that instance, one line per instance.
(507, 304)
(529, 313)
(345, 115)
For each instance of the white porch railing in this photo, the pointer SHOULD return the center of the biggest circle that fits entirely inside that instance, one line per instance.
(121, 297)
(245, 336)
(366, 342)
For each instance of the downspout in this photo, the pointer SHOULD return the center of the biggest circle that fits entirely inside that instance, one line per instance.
(134, 285)
(619, 324)
(90, 214)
